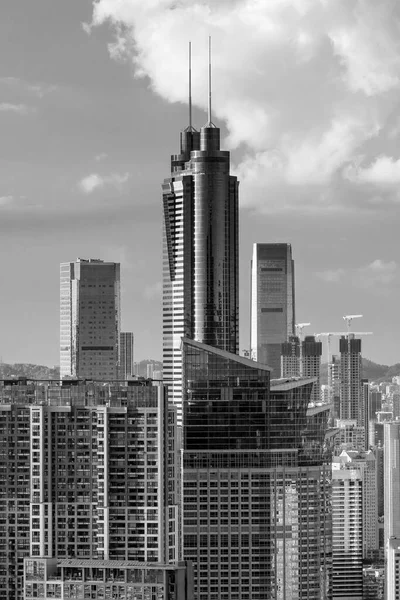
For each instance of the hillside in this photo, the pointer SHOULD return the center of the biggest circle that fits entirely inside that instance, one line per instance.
(371, 371)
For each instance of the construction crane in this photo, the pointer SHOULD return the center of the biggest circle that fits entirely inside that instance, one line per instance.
(349, 318)
(299, 330)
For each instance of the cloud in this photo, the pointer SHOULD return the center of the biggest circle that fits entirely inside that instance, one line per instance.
(384, 171)
(94, 181)
(21, 109)
(36, 89)
(101, 156)
(376, 274)
(310, 87)
(6, 200)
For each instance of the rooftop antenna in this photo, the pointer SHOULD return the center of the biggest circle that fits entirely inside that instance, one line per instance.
(190, 85)
(209, 123)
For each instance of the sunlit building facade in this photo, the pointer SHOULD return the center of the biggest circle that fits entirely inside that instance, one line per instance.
(89, 319)
(200, 249)
(256, 481)
(272, 303)
(89, 490)
(392, 508)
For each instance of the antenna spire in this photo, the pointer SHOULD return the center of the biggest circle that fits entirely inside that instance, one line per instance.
(209, 123)
(190, 85)
(209, 80)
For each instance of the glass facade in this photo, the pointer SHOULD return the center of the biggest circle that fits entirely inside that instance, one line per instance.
(200, 268)
(89, 319)
(256, 481)
(272, 303)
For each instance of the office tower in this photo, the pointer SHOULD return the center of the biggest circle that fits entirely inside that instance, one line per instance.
(379, 456)
(89, 490)
(350, 379)
(396, 406)
(392, 509)
(89, 319)
(126, 354)
(200, 266)
(256, 481)
(347, 534)
(149, 370)
(290, 357)
(272, 303)
(311, 364)
(334, 384)
(374, 406)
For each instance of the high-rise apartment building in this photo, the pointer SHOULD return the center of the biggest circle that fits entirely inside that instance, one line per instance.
(392, 509)
(89, 492)
(365, 462)
(89, 319)
(290, 357)
(311, 364)
(347, 533)
(126, 362)
(256, 481)
(334, 384)
(200, 267)
(272, 303)
(350, 379)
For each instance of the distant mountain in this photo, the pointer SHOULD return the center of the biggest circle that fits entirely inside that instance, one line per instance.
(8, 371)
(371, 371)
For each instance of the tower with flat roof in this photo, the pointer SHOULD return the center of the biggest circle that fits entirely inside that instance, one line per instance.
(272, 303)
(89, 319)
(126, 361)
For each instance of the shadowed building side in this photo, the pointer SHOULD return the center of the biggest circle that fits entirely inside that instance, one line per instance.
(272, 303)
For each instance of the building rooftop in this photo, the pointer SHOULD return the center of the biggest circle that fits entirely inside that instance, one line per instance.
(247, 362)
(290, 383)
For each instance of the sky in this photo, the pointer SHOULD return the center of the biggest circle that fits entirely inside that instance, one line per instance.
(93, 96)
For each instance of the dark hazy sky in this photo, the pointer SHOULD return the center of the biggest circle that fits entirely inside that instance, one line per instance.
(306, 94)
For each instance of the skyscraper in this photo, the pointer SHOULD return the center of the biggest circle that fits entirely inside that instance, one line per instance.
(256, 481)
(200, 267)
(89, 491)
(272, 303)
(392, 509)
(290, 357)
(347, 534)
(311, 364)
(350, 379)
(126, 354)
(89, 319)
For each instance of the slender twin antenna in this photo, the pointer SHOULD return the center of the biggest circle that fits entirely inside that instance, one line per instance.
(209, 80)
(190, 85)
(209, 122)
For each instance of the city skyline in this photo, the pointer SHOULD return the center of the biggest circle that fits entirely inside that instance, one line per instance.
(80, 173)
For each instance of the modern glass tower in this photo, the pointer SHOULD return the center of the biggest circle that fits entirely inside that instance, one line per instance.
(200, 266)
(89, 319)
(256, 481)
(272, 303)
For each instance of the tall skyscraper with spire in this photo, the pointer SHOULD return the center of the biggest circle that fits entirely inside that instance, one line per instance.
(200, 266)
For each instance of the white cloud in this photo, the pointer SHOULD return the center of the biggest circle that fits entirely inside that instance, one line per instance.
(36, 89)
(94, 181)
(6, 200)
(376, 274)
(309, 86)
(21, 109)
(384, 171)
(101, 156)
